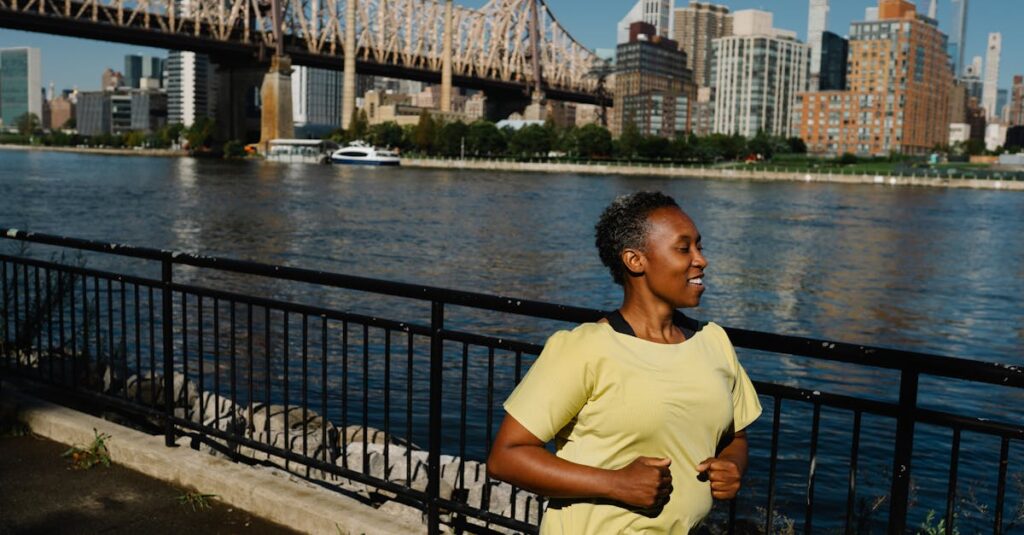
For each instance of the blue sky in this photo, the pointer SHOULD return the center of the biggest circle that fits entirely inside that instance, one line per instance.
(74, 62)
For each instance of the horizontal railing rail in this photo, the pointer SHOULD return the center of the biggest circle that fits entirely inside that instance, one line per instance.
(307, 387)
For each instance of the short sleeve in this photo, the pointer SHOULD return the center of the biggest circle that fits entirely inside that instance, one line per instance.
(554, 389)
(746, 408)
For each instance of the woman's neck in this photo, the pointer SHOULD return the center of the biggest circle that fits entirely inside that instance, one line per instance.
(650, 318)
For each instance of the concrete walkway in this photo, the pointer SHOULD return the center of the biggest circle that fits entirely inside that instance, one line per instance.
(39, 493)
(57, 500)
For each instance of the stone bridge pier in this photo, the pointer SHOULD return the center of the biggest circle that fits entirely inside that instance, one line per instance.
(277, 119)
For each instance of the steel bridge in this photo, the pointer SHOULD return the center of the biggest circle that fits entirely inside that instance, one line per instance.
(505, 47)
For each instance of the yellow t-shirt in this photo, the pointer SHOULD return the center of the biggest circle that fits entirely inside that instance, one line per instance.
(608, 398)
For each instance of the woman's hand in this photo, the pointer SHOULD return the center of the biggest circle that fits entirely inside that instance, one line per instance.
(646, 482)
(724, 476)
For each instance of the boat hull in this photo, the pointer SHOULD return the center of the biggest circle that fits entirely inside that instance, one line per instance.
(355, 161)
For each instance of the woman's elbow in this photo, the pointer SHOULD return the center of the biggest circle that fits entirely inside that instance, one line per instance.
(496, 465)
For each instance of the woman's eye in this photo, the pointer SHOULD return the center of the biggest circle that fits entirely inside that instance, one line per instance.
(684, 249)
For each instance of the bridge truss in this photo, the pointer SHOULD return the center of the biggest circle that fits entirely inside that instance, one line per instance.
(491, 44)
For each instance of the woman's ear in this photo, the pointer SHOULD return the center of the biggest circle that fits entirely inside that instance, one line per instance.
(634, 260)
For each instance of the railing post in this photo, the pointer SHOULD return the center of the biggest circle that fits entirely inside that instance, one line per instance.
(168, 333)
(904, 451)
(434, 440)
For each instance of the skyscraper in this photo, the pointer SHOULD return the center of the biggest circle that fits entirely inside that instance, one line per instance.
(653, 87)
(140, 71)
(657, 13)
(316, 100)
(191, 89)
(21, 89)
(817, 24)
(990, 93)
(957, 39)
(898, 90)
(1017, 102)
(834, 53)
(757, 73)
(694, 27)
(933, 10)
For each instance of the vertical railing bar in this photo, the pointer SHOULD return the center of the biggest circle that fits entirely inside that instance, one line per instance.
(99, 319)
(200, 358)
(731, 527)
(184, 352)
(1004, 461)
(14, 318)
(74, 332)
(463, 406)
(152, 346)
(26, 323)
(366, 398)
(485, 496)
(250, 370)
(434, 429)
(323, 388)
(387, 402)
(138, 344)
(233, 359)
(267, 374)
(168, 356)
(61, 338)
(408, 410)
(286, 319)
(111, 341)
(124, 340)
(49, 325)
(305, 389)
(954, 466)
(772, 463)
(344, 394)
(812, 468)
(851, 488)
(39, 325)
(216, 365)
(904, 450)
(7, 314)
(517, 377)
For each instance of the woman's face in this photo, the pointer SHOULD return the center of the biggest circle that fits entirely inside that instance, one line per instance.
(675, 263)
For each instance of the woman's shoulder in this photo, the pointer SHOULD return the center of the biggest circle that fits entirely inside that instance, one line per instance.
(582, 335)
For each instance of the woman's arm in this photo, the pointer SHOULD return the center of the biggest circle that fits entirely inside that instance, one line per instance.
(726, 470)
(520, 458)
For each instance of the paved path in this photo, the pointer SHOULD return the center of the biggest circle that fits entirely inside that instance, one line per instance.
(39, 494)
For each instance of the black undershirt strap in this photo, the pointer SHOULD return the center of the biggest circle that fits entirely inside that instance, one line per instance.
(689, 326)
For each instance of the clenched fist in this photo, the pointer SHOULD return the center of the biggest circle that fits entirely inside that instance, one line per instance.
(645, 483)
(724, 476)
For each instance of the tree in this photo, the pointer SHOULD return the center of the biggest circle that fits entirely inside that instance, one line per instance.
(628, 143)
(484, 139)
(200, 134)
(451, 137)
(169, 134)
(425, 132)
(134, 138)
(70, 124)
(387, 134)
(593, 141)
(797, 145)
(234, 149)
(847, 158)
(681, 149)
(358, 127)
(531, 140)
(27, 123)
(653, 147)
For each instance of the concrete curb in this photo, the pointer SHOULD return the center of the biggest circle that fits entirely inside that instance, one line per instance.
(265, 492)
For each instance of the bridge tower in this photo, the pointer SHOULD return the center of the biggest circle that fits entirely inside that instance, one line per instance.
(446, 59)
(348, 85)
(276, 119)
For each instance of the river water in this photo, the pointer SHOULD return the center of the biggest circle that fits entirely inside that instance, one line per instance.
(931, 270)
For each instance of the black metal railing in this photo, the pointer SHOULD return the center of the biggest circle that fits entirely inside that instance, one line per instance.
(346, 398)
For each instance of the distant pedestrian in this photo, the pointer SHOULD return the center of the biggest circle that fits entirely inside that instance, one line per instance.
(647, 408)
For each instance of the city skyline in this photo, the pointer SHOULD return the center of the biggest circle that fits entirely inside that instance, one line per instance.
(593, 27)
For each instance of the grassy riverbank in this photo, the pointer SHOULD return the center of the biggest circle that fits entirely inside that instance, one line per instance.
(106, 151)
(759, 172)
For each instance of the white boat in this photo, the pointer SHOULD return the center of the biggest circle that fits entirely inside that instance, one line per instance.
(301, 150)
(359, 153)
